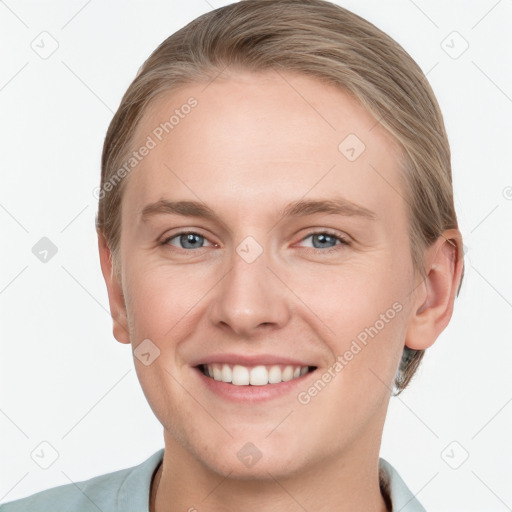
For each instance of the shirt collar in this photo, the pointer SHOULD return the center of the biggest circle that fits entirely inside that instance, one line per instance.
(396, 493)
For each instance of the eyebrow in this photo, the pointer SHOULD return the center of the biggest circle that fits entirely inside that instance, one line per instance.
(336, 206)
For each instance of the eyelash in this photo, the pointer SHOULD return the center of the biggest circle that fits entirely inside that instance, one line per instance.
(341, 239)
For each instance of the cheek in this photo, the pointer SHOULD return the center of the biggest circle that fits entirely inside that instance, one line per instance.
(361, 311)
(366, 318)
(350, 296)
(161, 300)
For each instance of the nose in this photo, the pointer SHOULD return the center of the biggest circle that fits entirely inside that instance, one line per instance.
(250, 298)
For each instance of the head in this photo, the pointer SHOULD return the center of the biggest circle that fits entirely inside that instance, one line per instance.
(265, 114)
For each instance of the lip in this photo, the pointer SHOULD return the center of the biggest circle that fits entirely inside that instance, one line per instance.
(252, 394)
(250, 360)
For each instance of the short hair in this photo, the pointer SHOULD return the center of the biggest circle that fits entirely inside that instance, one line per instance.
(324, 41)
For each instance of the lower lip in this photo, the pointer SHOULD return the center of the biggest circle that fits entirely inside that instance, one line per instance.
(252, 394)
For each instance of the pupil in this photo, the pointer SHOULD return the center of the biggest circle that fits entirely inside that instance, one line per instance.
(322, 239)
(191, 239)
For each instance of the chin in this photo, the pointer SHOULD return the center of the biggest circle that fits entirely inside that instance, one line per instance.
(265, 469)
(260, 459)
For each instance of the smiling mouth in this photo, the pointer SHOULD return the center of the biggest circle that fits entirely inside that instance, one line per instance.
(260, 375)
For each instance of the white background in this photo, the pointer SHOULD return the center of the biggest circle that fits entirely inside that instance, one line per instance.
(64, 378)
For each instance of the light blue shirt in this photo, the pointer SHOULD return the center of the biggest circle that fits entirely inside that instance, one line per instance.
(128, 490)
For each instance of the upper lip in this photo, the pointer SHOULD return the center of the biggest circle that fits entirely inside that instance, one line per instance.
(249, 360)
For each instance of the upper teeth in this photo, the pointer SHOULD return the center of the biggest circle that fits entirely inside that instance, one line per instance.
(255, 375)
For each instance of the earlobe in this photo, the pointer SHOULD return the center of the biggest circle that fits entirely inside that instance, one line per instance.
(433, 306)
(115, 292)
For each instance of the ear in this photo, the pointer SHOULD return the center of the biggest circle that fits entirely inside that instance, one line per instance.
(435, 295)
(115, 292)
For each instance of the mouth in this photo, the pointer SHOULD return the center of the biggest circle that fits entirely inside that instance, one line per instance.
(259, 375)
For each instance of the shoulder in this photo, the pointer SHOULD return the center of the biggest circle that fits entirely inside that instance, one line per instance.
(124, 490)
(392, 486)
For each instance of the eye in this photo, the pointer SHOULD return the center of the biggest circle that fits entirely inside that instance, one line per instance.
(325, 240)
(187, 240)
(192, 240)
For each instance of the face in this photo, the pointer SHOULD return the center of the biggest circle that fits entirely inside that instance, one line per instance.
(266, 230)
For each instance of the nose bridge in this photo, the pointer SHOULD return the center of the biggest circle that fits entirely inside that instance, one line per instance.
(249, 295)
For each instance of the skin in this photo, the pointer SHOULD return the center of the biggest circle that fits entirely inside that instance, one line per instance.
(252, 145)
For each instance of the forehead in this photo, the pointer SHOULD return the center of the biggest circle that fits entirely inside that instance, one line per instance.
(248, 136)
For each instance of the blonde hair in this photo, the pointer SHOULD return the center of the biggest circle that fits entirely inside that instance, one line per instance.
(322, 40)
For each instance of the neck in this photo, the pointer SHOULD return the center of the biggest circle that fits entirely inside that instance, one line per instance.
(342, 483)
